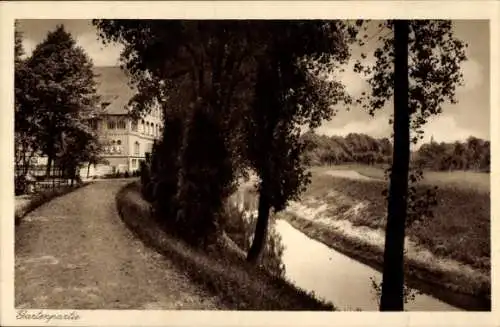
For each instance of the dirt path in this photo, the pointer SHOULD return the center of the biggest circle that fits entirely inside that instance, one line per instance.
(75, 253)
(352, 174)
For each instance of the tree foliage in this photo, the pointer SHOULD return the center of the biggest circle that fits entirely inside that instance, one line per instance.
(473, 154)
(210, 72)
(63, 90)
(196, 70)
(57, 100)
(291, 90)
(25, 124)
(352, 148)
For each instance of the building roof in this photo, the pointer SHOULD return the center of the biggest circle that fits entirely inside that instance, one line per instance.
(114, 89)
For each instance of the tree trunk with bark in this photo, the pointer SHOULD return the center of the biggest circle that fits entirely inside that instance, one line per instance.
(260, 235)
(392, 298)
(49, 165)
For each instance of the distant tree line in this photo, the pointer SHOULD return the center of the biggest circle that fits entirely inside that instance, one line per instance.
(473, 154)
(353, 148)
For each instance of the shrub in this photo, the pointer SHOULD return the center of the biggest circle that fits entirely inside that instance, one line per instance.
(20, 185)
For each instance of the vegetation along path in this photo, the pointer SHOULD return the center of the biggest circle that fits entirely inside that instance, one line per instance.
(75, 252)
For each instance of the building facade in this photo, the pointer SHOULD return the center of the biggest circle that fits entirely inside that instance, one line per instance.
(125, 140)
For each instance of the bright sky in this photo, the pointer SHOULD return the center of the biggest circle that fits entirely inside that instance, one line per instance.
(471, 116)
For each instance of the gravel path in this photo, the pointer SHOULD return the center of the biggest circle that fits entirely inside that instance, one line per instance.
(75, 253)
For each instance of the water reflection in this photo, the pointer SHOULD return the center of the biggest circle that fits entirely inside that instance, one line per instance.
(313, 266)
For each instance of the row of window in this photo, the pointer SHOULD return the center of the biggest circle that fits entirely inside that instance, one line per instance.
(120, 124)
(147, 128)
(115, 147)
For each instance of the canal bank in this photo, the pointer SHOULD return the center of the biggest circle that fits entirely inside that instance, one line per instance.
(430, 274)
(335, 277)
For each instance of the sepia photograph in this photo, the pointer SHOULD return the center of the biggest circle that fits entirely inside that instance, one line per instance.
(314, 165)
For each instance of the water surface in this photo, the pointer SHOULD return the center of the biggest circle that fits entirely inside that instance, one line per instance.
(313, 266)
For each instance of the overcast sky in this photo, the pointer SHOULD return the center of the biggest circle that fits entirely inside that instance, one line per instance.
(471, 116)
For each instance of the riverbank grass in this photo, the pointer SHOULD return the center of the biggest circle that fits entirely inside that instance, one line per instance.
(237, 284)
(460, 229)
(450, 251)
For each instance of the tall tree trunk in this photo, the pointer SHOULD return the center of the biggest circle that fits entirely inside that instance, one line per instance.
(49, 165)
(393, 268)
(88, 170)
(259, 240)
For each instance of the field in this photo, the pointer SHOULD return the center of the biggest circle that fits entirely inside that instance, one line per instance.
(463, 180)
(460, 228)
(347, 212)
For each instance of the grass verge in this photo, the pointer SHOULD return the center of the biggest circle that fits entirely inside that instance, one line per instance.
(43, 197)
(238, 285)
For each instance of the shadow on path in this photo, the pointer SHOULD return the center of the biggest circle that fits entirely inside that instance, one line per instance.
(75, 253)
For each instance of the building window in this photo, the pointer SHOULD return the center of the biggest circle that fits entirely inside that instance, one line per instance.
(121, 124)
(134, 163)
(136, 148)
(134, 126)
(142, 126)
(111, 124)
(119, 142)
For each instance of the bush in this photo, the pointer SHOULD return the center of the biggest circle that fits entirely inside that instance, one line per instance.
(20, 185)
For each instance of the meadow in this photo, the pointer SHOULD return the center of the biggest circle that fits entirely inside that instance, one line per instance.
(459, 228)
(451, 249)
(459, 179)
